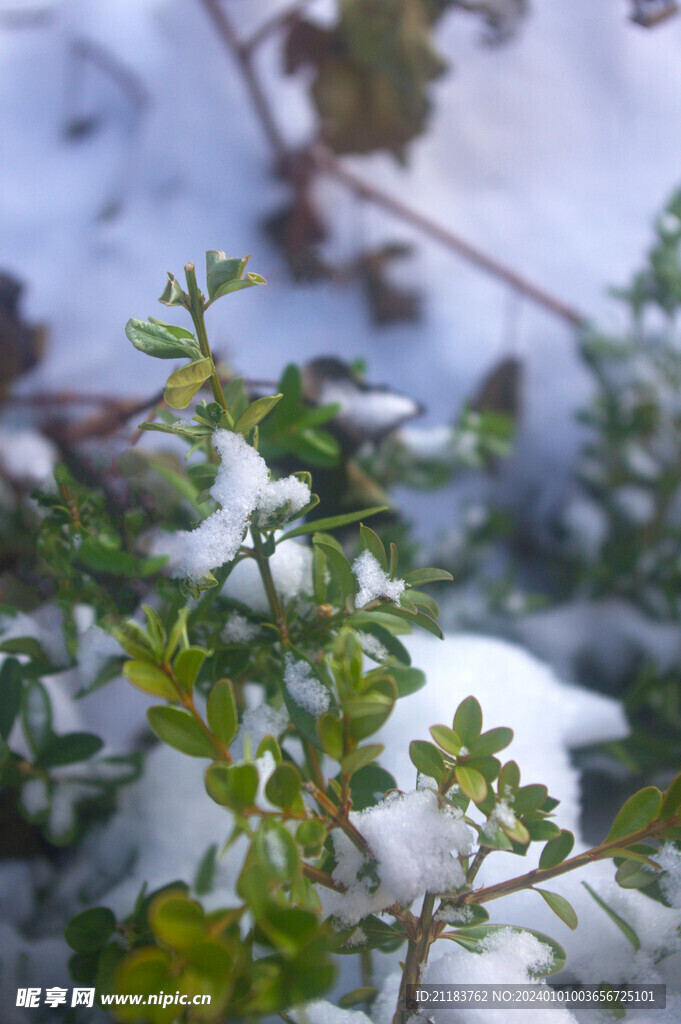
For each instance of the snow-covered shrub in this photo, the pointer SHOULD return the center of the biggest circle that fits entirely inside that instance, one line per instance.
(328, 857)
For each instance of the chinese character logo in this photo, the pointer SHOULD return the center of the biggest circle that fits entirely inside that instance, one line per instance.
(28, 997)
(83, 997)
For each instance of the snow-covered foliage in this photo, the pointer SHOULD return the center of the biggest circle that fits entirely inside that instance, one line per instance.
(373, 581)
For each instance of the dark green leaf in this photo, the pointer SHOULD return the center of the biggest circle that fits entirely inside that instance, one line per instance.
(10, 695)
(222, 269)
(369, 785)
(90, 930)
(69, 748)
(468, 721)
(419, 577)
(427, 759)
(557, 850)
(221, 711)
(373, 543)
(283, 785)
(360, 758)
(560, 906)
(492, 741)
(36, 715)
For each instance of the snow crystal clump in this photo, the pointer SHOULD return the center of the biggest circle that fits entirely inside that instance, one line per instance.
(241, 479)
(373, 581)
(290, 492)
(509, 956)
(669, 858)
(307, 692)
(238, 630)
(256, 723)
(415, 845)
(291, 568)
(372, 646)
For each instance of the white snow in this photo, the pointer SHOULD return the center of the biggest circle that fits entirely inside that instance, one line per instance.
(415, 844)
(373, 581)
(241, 479)
(238, 630)
(303, 688)
(321, 1012)
(372, 646)
(669, 858)
(27, 456)
(289, 493)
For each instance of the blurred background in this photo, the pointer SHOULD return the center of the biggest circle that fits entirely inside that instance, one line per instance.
(467, 216)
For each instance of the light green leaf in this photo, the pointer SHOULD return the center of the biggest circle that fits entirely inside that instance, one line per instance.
(255, 412)
(639, 811)
(361, 757)
(150, 679)
(188, 664)
(471, 782)
(172, 294)
(468, 721)
(283, 785)
(179, 729)
(222, 269)
(222, 714)
(183, 384)
(160, 340)
(333, 522)
(560, 906)
(233, 785)
(419, 577)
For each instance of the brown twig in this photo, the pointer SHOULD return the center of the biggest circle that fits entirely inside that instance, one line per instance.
(324, 161)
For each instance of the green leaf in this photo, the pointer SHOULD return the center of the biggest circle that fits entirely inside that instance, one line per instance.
(192, 431)
(223, 717)
(529, 798)
(363, 994)
(255, 412)
(560, 906)
(187, 666)
(10, 695)
(671, 802)
(446, 738)
(36, 715)
(176, 920)
(369, 785)
(172, 294)
(222, 269)
(557, 850)
(419, 577)
(183, 384)
(471, 914)
(69, 748)
(249, 281)
(625, 928)
(156, 339)
(407, 680)
(276, 850)
(542, 830)
(283, 785)
(492, 741)
(333, 522)
(90, 930)
(27, 645)
(364, 623)
(330, 729)
(311, 834)
(427, 759)
(339, 567)
(177, 332)
(233, 785)
(304, 721)
(205, 873)
(373, 543)
(150, 679)
(472, 783)
(361, 757)
(376, 934)
(639, 811)
(179, 729)
(468, 721)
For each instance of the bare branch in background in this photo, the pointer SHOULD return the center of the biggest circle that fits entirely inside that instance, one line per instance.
(320, 159)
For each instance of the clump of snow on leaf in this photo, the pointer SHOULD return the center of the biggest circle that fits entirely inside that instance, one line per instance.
(241, 479)
(290, 494)
(373, 581)
(372, 646)
(509, 956)
(306, 691)
(415, 844)
(241, 486)
(238, 630)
